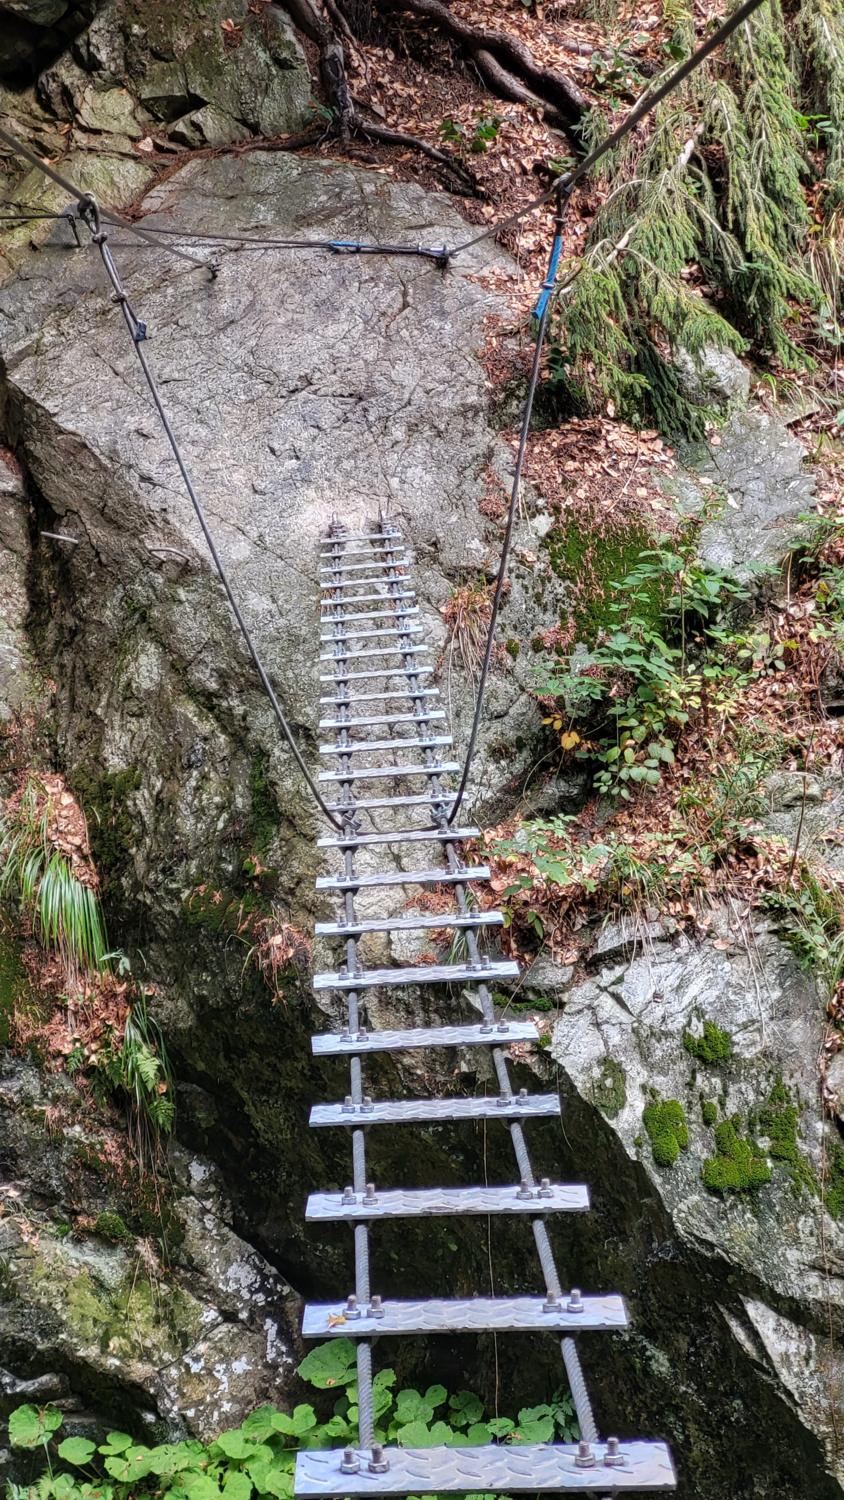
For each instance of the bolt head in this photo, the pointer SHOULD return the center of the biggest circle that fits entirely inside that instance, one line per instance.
(584, 1457)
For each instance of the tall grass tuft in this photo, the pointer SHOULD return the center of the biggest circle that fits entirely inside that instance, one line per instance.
(65, 913)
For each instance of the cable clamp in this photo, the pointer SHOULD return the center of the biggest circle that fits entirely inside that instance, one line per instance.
(346, 247)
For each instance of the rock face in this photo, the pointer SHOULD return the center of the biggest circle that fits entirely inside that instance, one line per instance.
(186, 1351)
(691, 1063)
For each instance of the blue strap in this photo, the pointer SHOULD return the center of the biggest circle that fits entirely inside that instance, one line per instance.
(548, 284)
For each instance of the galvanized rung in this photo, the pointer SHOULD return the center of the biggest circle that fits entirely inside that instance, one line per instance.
(370, 747)
(376, 651)
(372, 552)
(465, 1315)
(367, 804)
(505, 1468)
(381, 773)
(437, 1111)
(387, 532)
(415, 1203)
(368, 614)
(344, 676)
(356, 634)
(382, 979)
(403, 692)
(331, 589)
(341, 566)
(422, 923)
(409, 1039)
(370, 722)
(401, 877)
(400, 836)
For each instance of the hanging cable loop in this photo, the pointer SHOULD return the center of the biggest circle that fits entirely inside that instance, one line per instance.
(542, 310)
(138, 332)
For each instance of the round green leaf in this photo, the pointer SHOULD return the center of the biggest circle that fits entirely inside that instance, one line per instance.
(77, 1450)
(234, 1444)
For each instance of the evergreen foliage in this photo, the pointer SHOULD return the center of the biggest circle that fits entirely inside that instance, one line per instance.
(720, 185)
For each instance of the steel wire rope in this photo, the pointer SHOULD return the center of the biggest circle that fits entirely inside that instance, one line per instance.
(61, 181)
(138, 331)
(562, 188)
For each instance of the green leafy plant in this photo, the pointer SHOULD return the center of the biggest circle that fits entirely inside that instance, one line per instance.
(669, 655)
(65, 913)
(257, 1458)
(137, 1066)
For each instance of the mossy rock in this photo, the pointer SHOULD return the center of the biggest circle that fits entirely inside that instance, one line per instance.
(779, 1121)
(594, 563)
(714, 1048)
(737, 1166)
(609, 1090)
(665, 1124)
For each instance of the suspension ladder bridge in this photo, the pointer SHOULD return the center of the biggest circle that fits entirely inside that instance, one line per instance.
(388, 734)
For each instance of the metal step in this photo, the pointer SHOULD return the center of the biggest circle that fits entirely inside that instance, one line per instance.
(401, 877)
(369, 804)
(465, 1315)
(437, 1111)
(502, 1034)
(373, 719)
(387, 533)
(372, 552)
(404, 692)
(371, 673)
(386, 565)
(368, 635)
(427, 1203)
(387, 979)
(371, 747)
(401, 836)
(382, 773)
(426, 923)
(506, 1468)
(367, 614)
(330, 589)
(371, 651)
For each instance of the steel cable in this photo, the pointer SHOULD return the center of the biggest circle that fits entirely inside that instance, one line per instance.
(137, 330)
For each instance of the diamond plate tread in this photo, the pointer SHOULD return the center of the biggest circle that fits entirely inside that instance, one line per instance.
(373, 747)
(388, 773)
(334, 1044)
(505, 1469)
(416, 1203)
(410, 924)
(465, 1315)
(372, 673)
(374, 719)
(383, 979)
(401, 836)
(401, 877)
(436, 1111)
(330, 585)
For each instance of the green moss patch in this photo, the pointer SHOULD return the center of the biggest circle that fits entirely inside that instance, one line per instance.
(708, 1111)
(609, 1090)
(594, 562)
(714, 1047)
(665, 1124)
(779, 1120)
(110, 1226)
(737, 1166)
(834, 1193)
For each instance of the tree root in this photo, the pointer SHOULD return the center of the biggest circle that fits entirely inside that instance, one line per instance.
(516, 64)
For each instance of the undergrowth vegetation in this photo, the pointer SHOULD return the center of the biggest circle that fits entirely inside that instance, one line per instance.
(722, 228)
(37, 870)
(258, 1457)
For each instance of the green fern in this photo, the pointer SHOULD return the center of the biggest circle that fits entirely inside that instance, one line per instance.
(65, 914)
